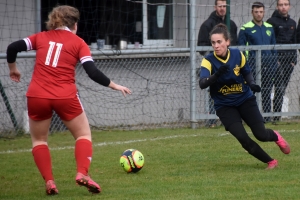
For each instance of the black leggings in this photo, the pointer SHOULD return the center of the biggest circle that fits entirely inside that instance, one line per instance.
(282, 78)
(231, 118)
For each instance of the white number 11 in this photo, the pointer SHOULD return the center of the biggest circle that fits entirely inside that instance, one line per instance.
(57, 53)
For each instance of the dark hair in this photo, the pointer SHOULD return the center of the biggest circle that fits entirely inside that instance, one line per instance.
(220, 29)
(216, 1)
(288, 0)
(62, 16)
(258, 5)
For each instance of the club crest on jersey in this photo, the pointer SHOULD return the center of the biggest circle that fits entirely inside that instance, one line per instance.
(236, 70)
(233, 89)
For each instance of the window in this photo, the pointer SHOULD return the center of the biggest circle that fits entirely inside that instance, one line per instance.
(158, 23)
(111, 20)
(149, 22)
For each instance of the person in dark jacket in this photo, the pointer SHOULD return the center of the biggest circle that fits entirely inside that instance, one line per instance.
(258, 32)
(285, 33)
(216, 17)
(298, 32)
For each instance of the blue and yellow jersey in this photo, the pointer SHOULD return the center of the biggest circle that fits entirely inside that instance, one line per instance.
(230, 89)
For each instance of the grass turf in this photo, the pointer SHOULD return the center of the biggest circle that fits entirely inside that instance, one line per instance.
(179, 164)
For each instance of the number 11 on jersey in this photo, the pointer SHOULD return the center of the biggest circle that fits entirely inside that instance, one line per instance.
(50, 51)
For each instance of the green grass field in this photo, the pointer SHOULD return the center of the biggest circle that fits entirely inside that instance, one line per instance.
(179, 164)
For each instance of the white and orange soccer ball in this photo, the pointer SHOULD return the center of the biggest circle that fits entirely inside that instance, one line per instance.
(132, 160)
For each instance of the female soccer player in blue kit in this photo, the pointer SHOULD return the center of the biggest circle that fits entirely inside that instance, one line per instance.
(231, 83)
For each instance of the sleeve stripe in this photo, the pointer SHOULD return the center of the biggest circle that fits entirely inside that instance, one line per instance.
(243, 60)
(28, 43)
(85, 59)
(206, 64)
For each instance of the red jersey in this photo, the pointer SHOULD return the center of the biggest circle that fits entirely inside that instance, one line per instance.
(57, 54)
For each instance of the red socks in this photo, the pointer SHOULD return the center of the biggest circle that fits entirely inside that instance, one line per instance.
(83, 155)
(42, 159)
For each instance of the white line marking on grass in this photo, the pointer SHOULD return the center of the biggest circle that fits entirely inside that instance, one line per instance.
(224, 134)
(105, 143)
(130, 141)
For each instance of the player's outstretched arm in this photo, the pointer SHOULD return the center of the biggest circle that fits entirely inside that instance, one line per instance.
(97, 76)
(121, 88)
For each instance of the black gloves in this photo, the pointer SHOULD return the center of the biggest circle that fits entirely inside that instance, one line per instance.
(222, 70)
(255, 88)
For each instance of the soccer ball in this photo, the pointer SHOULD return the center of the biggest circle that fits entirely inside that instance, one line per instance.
(132, 160)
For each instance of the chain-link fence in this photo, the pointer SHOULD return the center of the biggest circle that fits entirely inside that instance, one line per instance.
(278, 76)
(161, 92)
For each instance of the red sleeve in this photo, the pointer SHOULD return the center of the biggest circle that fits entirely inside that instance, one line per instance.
(84, 53)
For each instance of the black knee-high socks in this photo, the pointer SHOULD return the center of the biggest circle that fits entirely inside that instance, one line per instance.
(238, 131)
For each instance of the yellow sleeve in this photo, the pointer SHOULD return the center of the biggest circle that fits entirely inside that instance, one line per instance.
(206, 64)
(243, 62)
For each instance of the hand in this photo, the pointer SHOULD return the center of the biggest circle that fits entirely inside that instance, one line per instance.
(255, 88)
(14, 73)
(222, 70)
(121, 88)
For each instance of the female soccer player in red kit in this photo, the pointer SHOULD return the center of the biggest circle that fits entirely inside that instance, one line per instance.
(53, 88)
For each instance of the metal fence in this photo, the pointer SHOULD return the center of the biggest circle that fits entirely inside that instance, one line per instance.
(164, 92)
(278, 76)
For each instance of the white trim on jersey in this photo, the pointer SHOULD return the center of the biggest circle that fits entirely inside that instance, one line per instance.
(63, 28)
(28, 43)
(85, 59)
(77, 94)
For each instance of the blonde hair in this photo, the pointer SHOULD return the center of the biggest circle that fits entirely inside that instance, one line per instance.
(62, 16)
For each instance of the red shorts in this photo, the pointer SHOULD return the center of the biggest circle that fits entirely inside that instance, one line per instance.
(66, 109)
